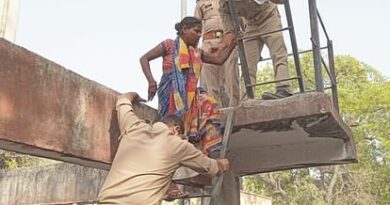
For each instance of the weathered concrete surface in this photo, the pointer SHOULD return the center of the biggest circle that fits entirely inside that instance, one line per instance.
(49, 184)
(64, 184)
(299, 131)
(48, 111)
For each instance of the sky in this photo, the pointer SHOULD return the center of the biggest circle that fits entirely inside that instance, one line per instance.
(103, 39)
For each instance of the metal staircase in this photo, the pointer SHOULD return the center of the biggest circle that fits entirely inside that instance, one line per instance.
(316, 50)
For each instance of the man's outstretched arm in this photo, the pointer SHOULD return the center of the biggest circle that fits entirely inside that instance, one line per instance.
(199, 162)
(124, 108)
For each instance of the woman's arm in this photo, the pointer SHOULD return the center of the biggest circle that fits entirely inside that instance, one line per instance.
(144, 60)
(220, 54)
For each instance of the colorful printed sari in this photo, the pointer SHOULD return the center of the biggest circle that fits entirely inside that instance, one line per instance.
(178, 95)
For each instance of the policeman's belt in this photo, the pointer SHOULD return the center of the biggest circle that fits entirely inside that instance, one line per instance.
(213, 35)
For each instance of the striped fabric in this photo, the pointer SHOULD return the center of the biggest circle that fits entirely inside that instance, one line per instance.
(178, 95)
(178, 84)
(203, 123)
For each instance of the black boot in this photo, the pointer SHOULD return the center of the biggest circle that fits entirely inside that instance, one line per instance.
(281, 92)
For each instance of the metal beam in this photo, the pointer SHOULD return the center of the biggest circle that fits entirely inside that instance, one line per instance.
(294, 46)
(183, 8)
(332, 69)
(241, 51)
(315, 38)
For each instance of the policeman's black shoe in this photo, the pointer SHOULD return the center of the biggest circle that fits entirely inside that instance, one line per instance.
(281, 92)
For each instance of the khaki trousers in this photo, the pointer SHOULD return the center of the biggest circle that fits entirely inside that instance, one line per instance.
(275, 44)
(215, 77)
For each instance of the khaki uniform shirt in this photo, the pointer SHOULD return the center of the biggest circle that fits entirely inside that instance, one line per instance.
(208, 12)
(147, 157)
(252, 12)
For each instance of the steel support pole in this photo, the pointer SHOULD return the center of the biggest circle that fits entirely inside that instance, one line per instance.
(241, 51)
(216, 192)
(315, 39)
(332, 71)
(294, 45)
(183, 8)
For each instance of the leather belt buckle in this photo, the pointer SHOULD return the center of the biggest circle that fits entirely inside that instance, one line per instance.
(218, 34)
(213, 35)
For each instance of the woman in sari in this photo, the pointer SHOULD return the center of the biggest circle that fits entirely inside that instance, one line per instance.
(177, 91)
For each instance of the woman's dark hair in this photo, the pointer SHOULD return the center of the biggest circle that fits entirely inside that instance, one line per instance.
(173, 120)
(187, 21)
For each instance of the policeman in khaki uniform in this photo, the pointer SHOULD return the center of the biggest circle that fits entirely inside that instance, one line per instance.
(147, 157)
(213, 77)
(261, 16)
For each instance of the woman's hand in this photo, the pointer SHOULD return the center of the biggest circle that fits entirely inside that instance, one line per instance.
(152, 90)
(144, 60)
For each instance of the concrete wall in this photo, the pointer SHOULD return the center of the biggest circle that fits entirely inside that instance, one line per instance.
(49, 111)
(47, 184)
(62, 182)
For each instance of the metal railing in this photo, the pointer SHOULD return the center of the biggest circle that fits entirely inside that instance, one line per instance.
(318, 60)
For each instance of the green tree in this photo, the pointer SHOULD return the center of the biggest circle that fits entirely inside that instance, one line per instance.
(364, 96)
